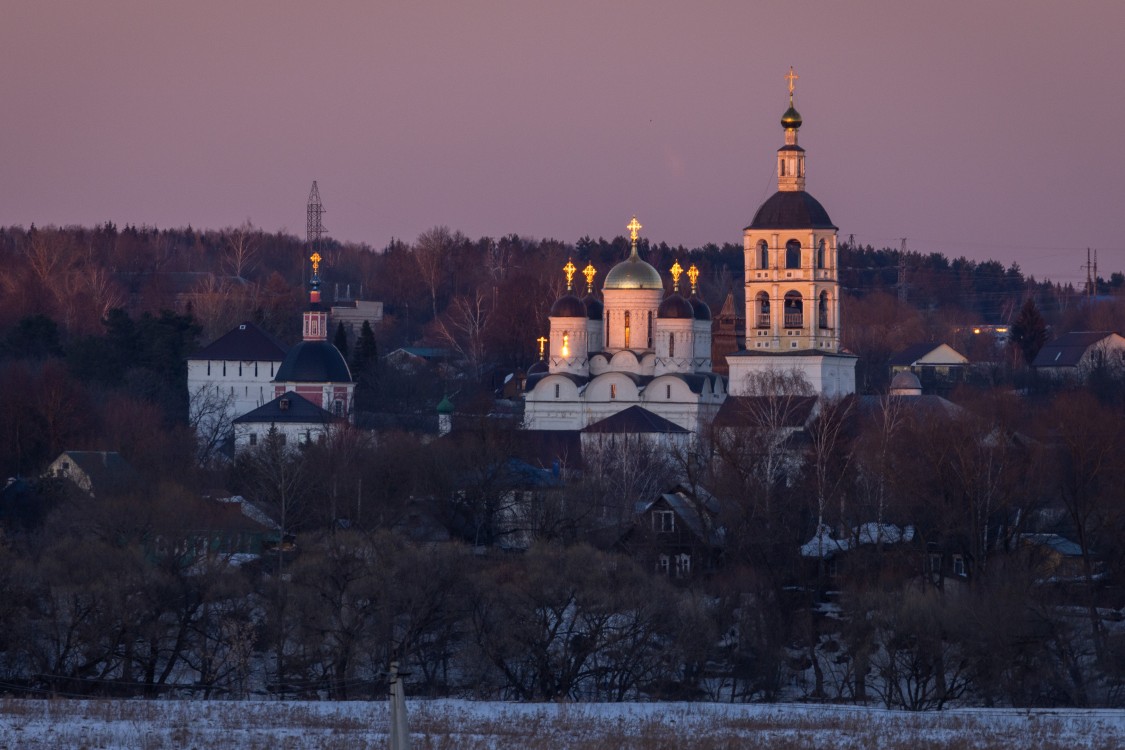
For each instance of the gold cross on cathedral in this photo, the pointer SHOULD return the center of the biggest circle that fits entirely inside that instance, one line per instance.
(693, 274)
(791, 77)
(634, 226)
(569, 270)
(589, 272)
(676, 270)
(315, 258)
(542, 340)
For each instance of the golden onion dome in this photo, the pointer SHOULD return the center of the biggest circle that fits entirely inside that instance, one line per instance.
(791, 118)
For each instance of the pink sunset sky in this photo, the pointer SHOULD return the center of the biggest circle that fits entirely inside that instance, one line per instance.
(984, 129)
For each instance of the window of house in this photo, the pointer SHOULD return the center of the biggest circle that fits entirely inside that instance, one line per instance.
(556, 390)
(763, 255)
(255, 369)
(822, 310)
(683, 565)
(958, 565)
(338, 408)
(671, 345)
(253, 438)
(240, 369)
(208, 369)
(663, 521)
(668, 391)
(613, 390)
(935, 562)
(627, 328)
(662, 564)
(224, 369)
(650, 329)
(820, 255)
(281, 436)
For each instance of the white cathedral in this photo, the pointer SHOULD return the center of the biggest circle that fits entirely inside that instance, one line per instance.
(642, 348)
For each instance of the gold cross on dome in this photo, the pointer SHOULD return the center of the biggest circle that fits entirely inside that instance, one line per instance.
(791, 77)
(569, 270)
(634, 226)
(315, 258)
(693, 274)
(589, 272)
(542, 342)
(676, 270)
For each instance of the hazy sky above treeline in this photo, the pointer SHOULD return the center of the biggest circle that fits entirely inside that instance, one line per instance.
(985, 129)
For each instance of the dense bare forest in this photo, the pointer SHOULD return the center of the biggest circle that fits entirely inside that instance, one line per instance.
(490, 576)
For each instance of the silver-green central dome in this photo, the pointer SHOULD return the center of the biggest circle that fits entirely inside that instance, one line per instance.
(633, 273)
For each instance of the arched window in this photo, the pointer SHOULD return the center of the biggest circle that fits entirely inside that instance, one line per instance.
(605, 325)
(763, 304)
(822, 310)
(649, 345)
(763, 255)
(792, 254)
(820, 255)
(794, 310)
(627, 321)
(671, 345)
(565, 344)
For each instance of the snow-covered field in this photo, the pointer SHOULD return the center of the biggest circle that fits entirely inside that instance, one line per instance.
(467, 725)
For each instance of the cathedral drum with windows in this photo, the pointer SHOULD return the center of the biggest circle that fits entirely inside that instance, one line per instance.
(792, 284)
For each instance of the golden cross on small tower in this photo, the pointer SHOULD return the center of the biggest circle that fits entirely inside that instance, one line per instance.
(634, 226)
(315, 258)
(791, 77)
(542, 343)
(589, 272)
(676, 270)
(569, 270)
(693, 274)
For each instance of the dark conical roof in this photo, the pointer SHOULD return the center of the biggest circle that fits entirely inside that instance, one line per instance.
(568, 306)
(675, 307)
(702, 311)
(791, 209)
(313, 362)
(594, 307)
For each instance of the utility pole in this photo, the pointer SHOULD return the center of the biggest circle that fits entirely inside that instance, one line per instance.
(1089, 282)
(314, 227)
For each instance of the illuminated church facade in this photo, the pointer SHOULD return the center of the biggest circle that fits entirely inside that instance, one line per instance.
(639, 346)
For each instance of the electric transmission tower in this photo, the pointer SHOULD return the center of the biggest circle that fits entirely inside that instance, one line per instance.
(314, 227)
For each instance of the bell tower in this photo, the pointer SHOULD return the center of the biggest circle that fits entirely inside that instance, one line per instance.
(792, 288)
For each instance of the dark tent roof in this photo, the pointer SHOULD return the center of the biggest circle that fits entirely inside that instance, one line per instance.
(288, 408)
(791, 209)
(246, 343)
(313, 362)
(743, 411)
(633, 420)
(911, 354)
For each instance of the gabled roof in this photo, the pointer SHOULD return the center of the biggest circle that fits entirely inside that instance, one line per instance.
(744, 411)
(1067, 350)
(288, 408)
(689, 511)
(635, 419)
(915, 352)
(246, 343)
(105, 470)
